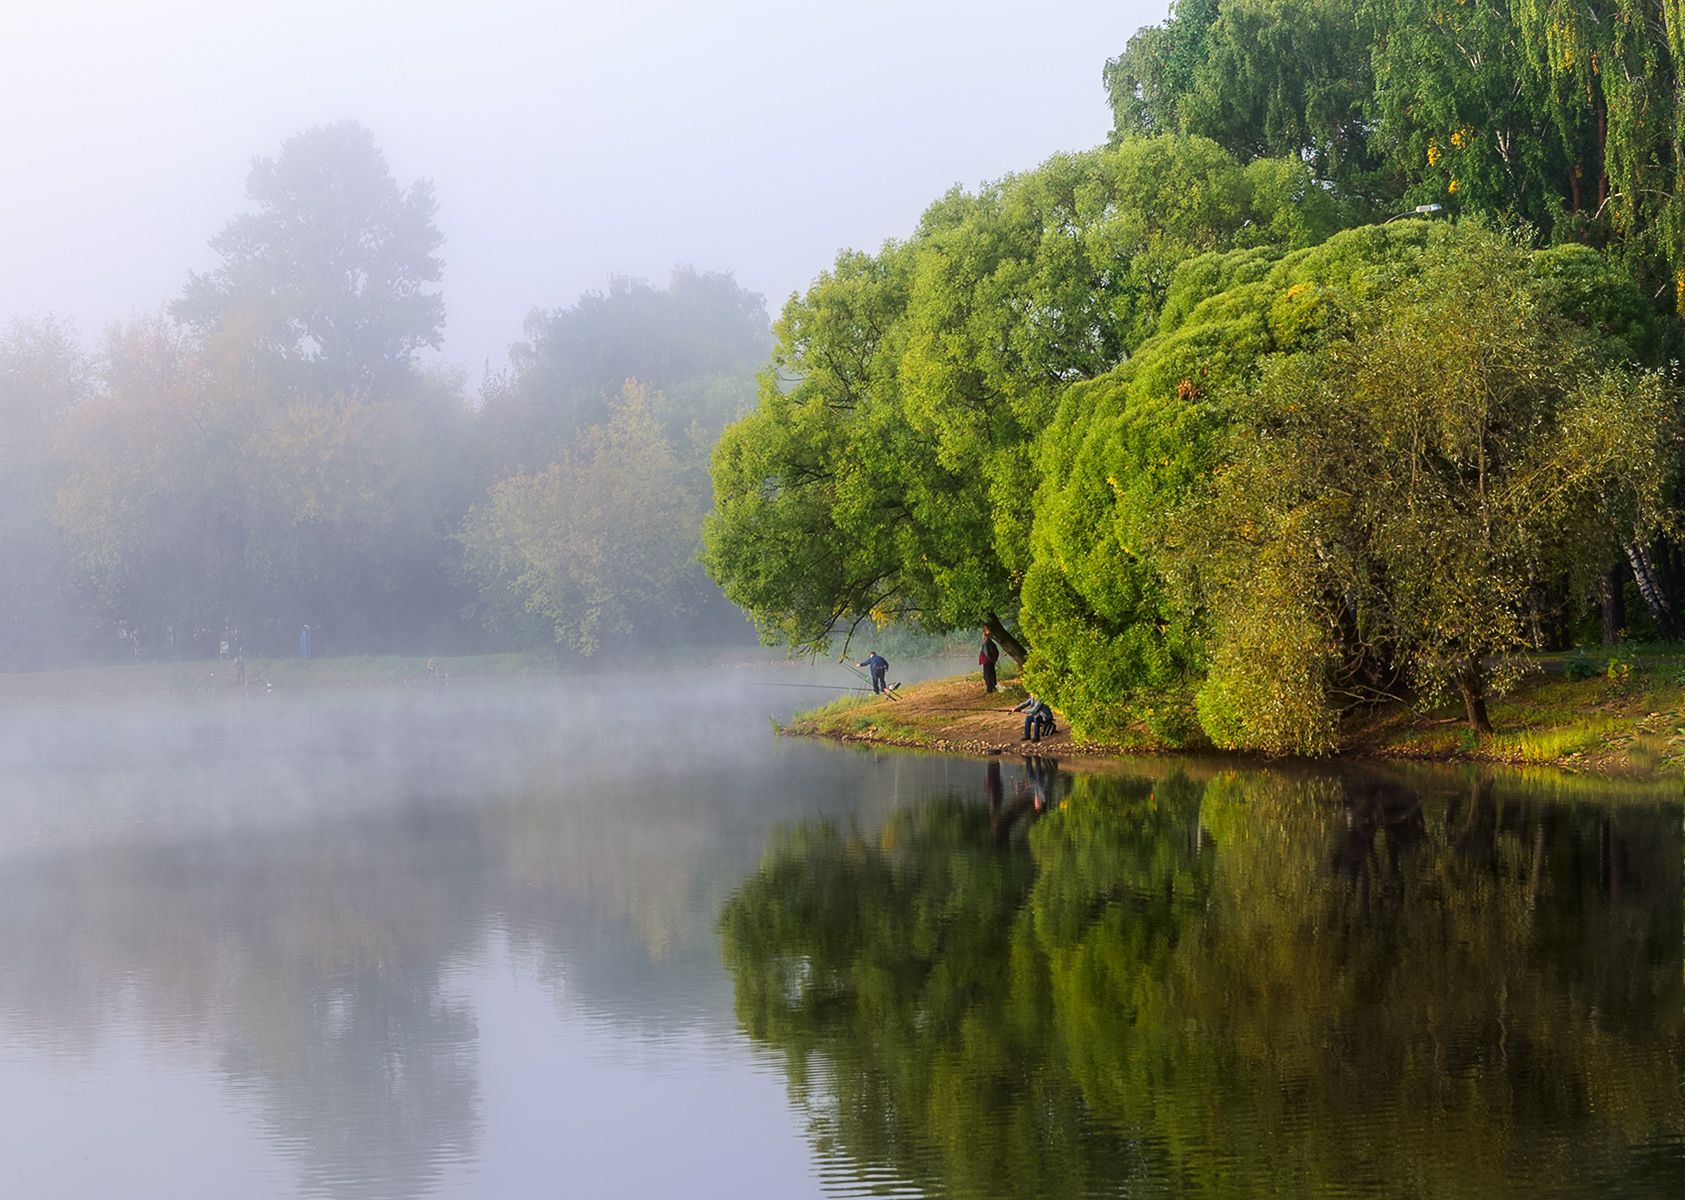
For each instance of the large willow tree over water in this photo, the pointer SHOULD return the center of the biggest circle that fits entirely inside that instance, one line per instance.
(1212, 473)
(888, 471)
(1341, 474)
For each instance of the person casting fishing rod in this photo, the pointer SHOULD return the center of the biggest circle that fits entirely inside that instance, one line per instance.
(878, 665)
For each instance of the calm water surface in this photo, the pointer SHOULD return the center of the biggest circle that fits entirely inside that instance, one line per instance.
(610, 936)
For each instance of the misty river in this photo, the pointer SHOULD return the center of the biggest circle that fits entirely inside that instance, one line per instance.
(609, 935)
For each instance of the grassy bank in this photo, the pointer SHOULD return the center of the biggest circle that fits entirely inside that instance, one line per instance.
(1631, 723)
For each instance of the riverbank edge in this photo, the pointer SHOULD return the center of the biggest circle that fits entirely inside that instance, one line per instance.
(1629, 726)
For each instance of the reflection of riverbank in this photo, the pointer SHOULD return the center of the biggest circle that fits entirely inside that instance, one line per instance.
(1398, 982)
(1628, 727)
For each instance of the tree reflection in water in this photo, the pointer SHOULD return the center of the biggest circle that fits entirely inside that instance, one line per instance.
(313, 961)
(1257, 983)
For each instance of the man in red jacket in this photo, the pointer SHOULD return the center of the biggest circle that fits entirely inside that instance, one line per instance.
(987, 657)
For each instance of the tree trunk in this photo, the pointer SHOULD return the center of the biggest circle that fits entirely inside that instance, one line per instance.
(1602, 143)
(1014, 649)
(1614, 604)
(1473, 687)
(1655, 595)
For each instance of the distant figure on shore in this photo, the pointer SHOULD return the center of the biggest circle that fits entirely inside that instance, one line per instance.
(239, 671)
(304, 646)
(878, 665)
(434, 675)
(1038, 718)
(987, 657)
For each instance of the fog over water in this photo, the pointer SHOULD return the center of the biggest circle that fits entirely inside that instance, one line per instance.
(566, 141)
(609, 934)
(398, 942)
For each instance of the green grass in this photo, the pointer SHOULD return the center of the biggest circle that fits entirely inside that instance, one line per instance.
(1629, 725)
(841, 717)
(834, 708)
(1549, 745)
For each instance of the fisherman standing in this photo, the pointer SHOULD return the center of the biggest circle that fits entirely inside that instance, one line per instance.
(878, 665)
(987, 657)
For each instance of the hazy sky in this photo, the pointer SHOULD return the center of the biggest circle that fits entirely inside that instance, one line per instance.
(565, 141)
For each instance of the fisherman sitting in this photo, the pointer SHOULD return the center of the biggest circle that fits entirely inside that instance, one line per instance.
(1038, 718)
(878, 665)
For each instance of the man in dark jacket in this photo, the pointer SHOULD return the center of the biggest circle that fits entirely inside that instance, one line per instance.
(878, 665)
(987, 657)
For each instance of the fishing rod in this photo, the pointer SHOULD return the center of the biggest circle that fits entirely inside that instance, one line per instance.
(823, 687)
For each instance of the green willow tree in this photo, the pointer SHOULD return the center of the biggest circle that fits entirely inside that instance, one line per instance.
(1560, 113)
(1421, 337)
(888, 471)
(1391, 500)
(1610, 70)
(1461, 114)
(1261, 78)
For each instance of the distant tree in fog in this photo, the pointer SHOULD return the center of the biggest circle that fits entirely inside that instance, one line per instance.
(43, 375)
(698, 342)
(331, 275)
(272, 456)
(200, 495)
(598, 547)
(150, 502)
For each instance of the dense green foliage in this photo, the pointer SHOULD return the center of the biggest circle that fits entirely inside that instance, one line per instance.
(1223, 475)
(889, 469)
(1287, 78)
(1560, 112)
(282, 459)
(1227, 989)
(1340, 474)
(1214, 449)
